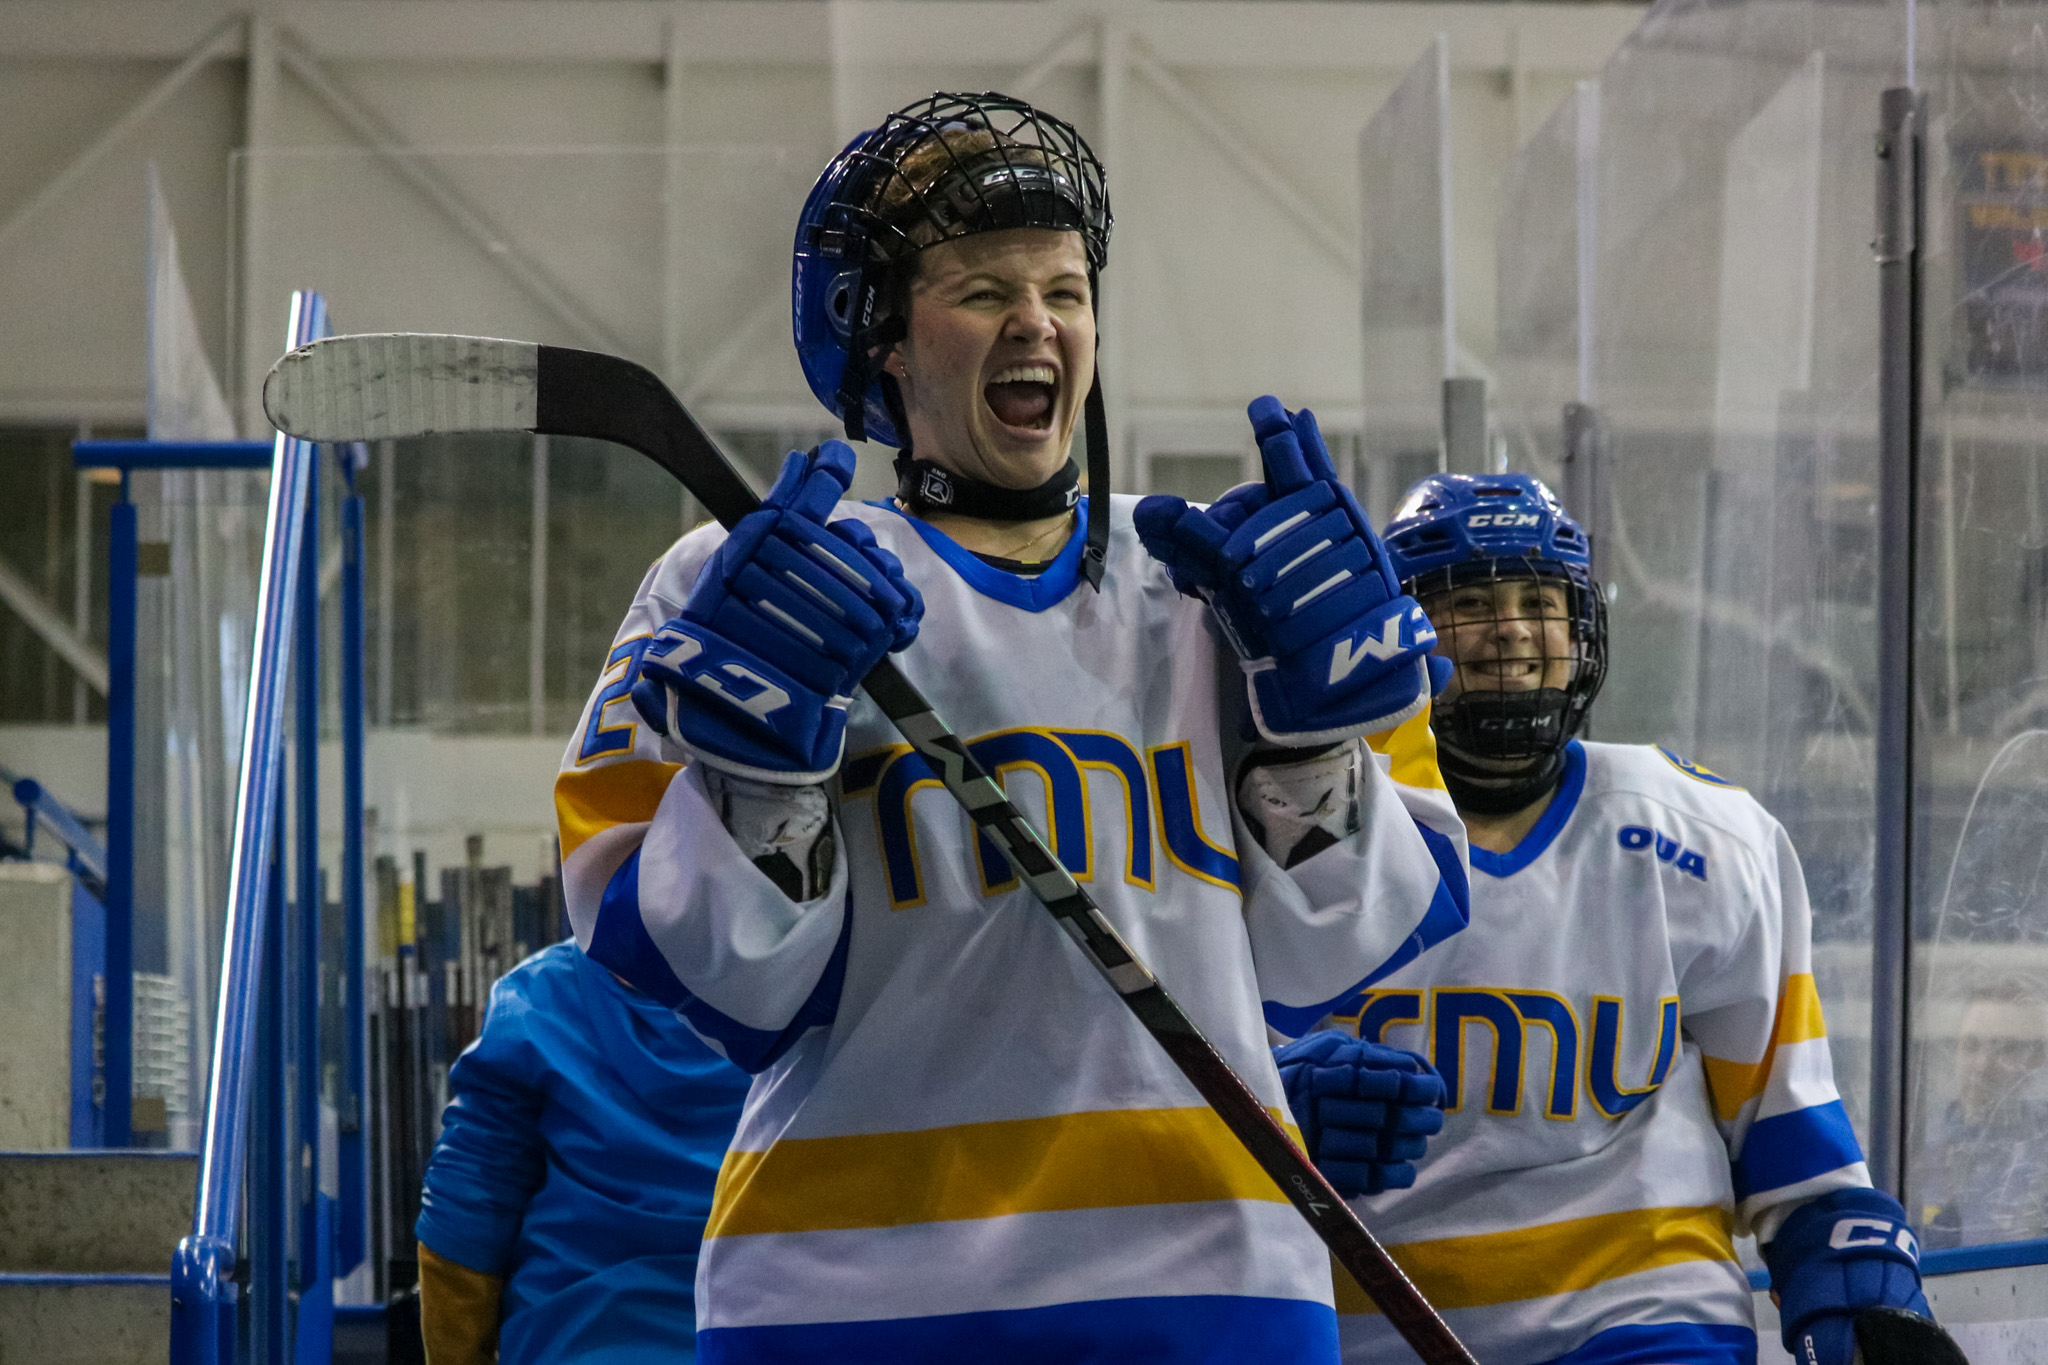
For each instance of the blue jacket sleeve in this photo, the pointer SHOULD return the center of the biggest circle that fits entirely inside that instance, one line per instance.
(490, 1159)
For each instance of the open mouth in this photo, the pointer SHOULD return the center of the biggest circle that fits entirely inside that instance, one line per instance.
(1023, 396)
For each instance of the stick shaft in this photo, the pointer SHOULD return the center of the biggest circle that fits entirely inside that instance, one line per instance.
(581, 393)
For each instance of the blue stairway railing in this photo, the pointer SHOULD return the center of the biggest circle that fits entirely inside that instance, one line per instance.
(85, 854)
(260, 1138)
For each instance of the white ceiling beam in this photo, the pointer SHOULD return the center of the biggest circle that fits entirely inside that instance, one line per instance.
(222, 41)
(496, 244)
(1294, 35)
(1341, 247)
(45, 620)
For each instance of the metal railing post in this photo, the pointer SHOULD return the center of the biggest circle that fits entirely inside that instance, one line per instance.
(304, 974)
(119, 1020)
(250, 1042)
(270, 1183)
(1900, 219)
(352, 1240)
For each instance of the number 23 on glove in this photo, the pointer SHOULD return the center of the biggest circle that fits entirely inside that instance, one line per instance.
(1330, 646)
(785, 620)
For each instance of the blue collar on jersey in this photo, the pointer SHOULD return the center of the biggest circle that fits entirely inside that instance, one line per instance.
(1028, 594)
(1545, 831)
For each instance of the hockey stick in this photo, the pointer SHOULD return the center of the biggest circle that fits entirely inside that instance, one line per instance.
(372, 387)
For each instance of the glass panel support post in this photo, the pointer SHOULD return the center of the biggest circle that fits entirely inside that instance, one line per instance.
(1901, 218)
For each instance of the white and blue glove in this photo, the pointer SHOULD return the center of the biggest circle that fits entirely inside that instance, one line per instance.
(785, 620)
(1331, 647)
(1845, 1256)
(1366, 1111)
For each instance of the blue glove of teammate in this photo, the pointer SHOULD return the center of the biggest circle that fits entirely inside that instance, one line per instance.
(1835, 1258)
(1366, 1111)
(784, 621)
(1331, 647)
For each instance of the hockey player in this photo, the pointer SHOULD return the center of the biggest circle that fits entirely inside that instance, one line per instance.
(1629, 1037)
(562, 1208)
(959, 1144)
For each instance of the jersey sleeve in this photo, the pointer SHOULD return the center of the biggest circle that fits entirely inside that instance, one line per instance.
(1327, 928)
(657, 890)
(1764, 1047)
(489, 1159)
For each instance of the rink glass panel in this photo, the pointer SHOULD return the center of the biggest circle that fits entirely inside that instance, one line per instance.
(1401, 170)
(1977, 1169)
(1732, 306)
(1536, 292)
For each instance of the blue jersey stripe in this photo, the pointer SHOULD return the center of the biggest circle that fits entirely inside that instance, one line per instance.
(1665, 1343)
(1208, 1329)
(1545, 831)
(1047, 589)
(620, 943)
(1450, 910)
(1788, 1148)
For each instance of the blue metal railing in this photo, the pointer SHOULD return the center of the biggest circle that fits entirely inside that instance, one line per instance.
(84, 853)
(248, 1131)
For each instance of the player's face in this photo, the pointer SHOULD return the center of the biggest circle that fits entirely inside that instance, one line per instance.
(1508, 635)
(1000, 354)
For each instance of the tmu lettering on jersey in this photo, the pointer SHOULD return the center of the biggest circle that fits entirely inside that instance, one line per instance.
(1158, 791)
(1636, 838)
(1578, 1056)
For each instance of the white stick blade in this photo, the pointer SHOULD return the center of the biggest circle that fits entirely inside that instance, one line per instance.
(392, 384)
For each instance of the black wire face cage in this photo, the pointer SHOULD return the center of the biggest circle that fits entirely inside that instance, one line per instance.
(1496, 619)
(952, 165)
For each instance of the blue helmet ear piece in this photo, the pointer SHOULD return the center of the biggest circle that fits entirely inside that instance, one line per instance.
(839, 304)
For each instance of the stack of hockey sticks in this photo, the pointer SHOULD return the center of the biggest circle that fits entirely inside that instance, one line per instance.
(373, 387)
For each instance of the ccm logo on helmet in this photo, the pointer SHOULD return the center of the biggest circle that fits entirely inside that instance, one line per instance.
(1503, 519)
(1873, 1232)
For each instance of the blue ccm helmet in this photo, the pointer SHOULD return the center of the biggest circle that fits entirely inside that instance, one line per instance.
(947, 166)
(1502, 749)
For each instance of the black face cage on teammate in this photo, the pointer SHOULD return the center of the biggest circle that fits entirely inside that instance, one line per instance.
(1519, 693)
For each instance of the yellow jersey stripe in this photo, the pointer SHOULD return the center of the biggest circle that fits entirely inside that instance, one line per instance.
(1734, 1084)
(1551, 1258)
(593, 800)
(1412, 747)
(1103, 1159)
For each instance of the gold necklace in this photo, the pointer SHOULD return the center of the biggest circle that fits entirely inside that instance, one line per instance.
(1018, 553)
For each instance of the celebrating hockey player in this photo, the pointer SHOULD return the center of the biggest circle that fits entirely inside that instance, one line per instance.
(1628, 1036)
(959, 1143)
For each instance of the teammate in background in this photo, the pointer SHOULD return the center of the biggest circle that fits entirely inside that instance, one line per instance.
(565, 1200)
(959, 1144)
(1629, 1035)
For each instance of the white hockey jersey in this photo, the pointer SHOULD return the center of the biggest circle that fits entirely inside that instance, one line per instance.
(1637, 1072)
(959, 1144)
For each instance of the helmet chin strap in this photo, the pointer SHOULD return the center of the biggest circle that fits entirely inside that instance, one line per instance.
(1096, 424)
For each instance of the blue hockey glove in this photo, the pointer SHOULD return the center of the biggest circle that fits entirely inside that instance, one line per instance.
(1366, 1111)
(1836, 1258)
(1331, 647)
(785, 620)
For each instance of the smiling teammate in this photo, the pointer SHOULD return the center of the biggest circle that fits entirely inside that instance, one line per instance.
(1629, 1034)
(959, 1144)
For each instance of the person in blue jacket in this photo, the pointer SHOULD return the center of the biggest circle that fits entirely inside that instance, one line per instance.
(565, 1202)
